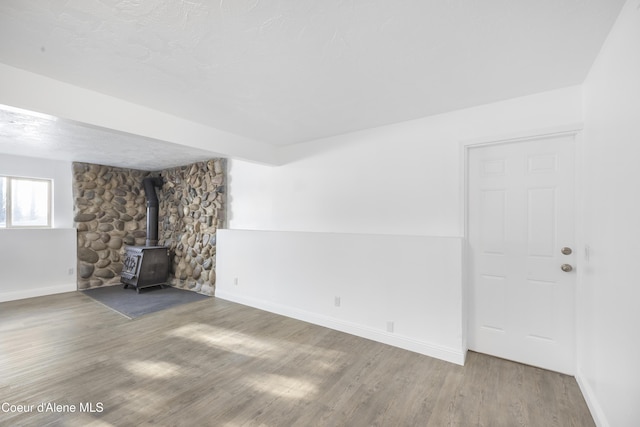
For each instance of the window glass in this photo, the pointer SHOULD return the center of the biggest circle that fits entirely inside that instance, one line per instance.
(25, 202)
(28, 202)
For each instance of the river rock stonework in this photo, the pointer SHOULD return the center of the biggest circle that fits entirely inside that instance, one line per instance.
(192, 203)
(110, 212)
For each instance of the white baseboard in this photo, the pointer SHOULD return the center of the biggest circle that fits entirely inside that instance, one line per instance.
(428, 349)
(592, 402)
(37, 292)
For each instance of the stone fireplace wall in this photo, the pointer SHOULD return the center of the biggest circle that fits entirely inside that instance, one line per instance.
(110, 212)
(192, 203)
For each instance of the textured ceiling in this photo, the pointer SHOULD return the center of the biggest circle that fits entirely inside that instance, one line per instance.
(287, 71)
(26, 134)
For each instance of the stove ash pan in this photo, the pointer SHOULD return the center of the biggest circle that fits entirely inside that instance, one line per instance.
(145, 266)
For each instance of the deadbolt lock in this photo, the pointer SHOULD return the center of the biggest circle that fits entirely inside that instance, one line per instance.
(566, 268)
(566, 251)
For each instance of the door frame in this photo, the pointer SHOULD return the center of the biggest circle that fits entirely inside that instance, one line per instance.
(571, 129)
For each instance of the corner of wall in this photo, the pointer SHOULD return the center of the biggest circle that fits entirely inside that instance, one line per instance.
(592, 401)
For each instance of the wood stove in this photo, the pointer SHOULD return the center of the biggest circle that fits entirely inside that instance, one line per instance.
(147, 265)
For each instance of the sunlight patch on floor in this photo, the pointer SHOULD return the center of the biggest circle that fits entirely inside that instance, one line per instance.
(151, 369)
(231, 341)
(281, 386)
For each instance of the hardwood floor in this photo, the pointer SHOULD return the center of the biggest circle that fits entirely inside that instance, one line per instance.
(216, 363)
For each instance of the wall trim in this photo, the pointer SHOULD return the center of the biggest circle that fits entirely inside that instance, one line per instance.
(428, 349)
(524, 135)
(592, 402)
(38, 292)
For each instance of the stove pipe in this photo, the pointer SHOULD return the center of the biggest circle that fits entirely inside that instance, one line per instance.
(150, 185)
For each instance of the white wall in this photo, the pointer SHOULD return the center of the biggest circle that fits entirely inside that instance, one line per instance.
(609, 290)
(37, 262)
(412, 281)
(401, 179)
(55, 249)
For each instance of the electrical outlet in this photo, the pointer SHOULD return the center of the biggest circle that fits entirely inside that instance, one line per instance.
(235, 281)
(70, 271)
(336, 301)
(389, 326)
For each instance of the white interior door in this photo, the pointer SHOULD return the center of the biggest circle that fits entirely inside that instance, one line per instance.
(520, 216)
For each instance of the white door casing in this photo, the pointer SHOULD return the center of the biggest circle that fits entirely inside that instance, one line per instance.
(520, 214)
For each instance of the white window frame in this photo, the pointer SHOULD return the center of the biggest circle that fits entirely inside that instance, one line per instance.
(8, 201)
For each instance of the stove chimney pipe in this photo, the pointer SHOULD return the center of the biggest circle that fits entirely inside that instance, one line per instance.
(152, 208)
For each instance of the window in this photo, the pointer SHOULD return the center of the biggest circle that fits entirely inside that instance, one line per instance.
(25, 202)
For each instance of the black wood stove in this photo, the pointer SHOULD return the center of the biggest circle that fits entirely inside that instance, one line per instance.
(147, 265)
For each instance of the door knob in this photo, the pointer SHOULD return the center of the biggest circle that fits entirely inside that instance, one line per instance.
(566, 251)
(566, 268)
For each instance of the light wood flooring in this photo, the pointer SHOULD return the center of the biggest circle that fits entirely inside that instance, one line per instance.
(216, 363)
